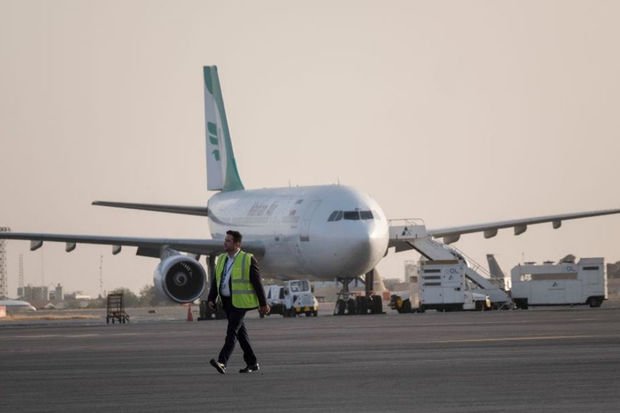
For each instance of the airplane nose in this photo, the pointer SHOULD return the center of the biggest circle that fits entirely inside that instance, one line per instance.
(362, 252)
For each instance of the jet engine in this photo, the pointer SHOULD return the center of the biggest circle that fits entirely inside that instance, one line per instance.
(180, 278)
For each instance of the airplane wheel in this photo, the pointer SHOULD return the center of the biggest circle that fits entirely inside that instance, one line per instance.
(377, 304)
(362, 305)
(340, 307)
(351, 306)
(594, 302)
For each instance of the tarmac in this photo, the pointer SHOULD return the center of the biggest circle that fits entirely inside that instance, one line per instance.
(556, 359)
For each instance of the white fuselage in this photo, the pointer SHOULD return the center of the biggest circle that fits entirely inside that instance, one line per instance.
(315, 232)
(13, 306)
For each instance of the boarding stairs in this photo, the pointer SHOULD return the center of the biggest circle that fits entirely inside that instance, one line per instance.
(411, 234)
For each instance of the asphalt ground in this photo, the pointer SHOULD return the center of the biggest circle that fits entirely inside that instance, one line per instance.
(551, 360)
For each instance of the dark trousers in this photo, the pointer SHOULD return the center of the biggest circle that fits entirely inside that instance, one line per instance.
(236, 331)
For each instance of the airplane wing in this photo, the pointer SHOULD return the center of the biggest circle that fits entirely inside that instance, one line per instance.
(400, 234)
(490, 229)
(175, 209)
(149, 247)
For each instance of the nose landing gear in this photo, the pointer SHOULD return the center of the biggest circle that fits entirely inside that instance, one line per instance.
(348, 303)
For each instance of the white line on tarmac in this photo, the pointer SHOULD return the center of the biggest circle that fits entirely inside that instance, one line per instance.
(38, 336)
(486, 340)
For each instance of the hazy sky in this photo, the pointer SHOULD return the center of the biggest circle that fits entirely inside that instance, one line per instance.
(457, 112)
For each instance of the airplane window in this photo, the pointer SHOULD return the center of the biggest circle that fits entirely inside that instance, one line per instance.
(352, 215)
(366, 214)
(335, 216)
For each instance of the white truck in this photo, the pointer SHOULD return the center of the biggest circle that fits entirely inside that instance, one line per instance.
(443, 285)
(440, 285)
(564, 283)
(292, 299)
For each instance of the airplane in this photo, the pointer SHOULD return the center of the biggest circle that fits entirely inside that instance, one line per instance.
(496, 272)
(322, 232)
(14, 306)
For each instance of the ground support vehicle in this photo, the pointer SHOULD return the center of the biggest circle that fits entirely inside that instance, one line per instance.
(293, 298)
(115, 309)
(440, 285)
(563, 283)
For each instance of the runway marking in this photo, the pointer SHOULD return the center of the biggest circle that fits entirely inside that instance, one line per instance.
(37, 336)
(57, 335)
(484, 340)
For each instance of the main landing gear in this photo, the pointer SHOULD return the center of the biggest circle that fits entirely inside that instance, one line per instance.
(350, 304)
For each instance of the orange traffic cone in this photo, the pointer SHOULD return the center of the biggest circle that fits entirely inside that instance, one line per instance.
(190, 317)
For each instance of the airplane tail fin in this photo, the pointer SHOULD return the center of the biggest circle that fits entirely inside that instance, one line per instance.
(497, 274)
(222, 174)
(494, 268)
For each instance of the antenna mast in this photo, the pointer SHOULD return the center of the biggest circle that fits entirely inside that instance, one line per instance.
(101, 275)
(4, 290)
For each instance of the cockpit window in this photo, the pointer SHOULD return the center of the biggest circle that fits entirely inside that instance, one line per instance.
(335, 216)
(352, 215)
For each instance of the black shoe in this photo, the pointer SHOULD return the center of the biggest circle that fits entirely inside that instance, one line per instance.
(220, 367)
(250, 369)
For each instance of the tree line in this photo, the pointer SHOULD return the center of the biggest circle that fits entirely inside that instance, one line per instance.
(147, 297)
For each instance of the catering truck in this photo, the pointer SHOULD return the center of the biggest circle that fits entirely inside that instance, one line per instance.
(292, 299)
(440, 285)
(444, 286)
(562, 283)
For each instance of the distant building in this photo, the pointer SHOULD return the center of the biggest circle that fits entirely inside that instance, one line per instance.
(613, 270)
(613, 279)
(37, 296)
(56, 294)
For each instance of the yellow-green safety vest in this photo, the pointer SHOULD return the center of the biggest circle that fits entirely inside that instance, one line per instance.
(242, 290)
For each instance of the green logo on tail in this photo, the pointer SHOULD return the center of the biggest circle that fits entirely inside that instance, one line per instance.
(212, 129)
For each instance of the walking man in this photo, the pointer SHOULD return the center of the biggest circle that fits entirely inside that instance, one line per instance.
(237, 283)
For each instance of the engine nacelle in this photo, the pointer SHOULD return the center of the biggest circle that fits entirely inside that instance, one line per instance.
(180, 278)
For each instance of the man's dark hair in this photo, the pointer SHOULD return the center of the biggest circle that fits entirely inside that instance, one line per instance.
(236, 235)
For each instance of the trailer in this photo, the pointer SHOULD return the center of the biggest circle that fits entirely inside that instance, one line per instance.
(562, 283)
(115, 309)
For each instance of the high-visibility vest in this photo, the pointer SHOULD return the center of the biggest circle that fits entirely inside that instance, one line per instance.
(242, 290)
